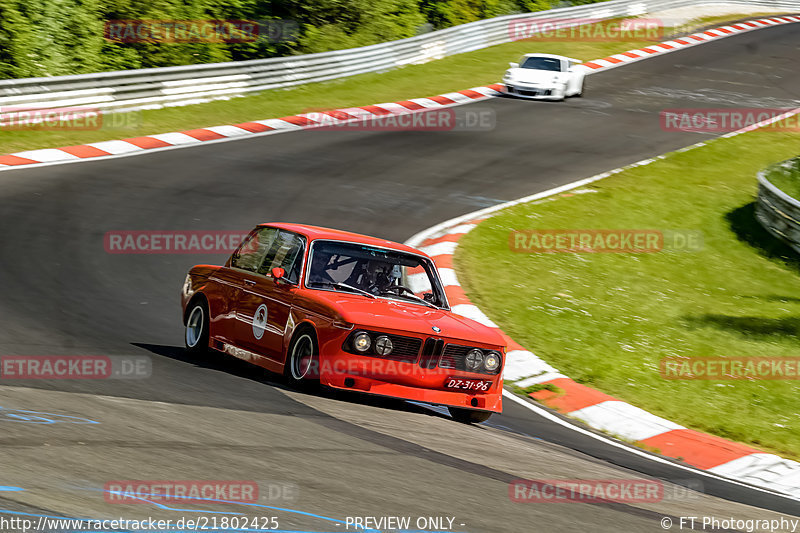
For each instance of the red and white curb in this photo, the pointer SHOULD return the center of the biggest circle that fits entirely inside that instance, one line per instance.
(694, 39)
(162, 141)
(321, 119)
(597, 409)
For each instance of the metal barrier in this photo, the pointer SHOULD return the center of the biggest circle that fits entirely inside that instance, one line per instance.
(778, 212)
(169, 86)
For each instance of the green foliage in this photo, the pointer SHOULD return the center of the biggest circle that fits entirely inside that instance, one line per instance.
(57, 37)
(334, 24)
(38, 38)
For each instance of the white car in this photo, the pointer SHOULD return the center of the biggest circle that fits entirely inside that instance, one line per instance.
(544, 77)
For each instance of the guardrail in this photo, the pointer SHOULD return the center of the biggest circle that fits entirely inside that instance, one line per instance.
(778, 212)
(168, 86)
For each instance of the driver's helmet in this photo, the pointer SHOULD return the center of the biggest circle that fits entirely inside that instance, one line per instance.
(319, 263)
(377, 275)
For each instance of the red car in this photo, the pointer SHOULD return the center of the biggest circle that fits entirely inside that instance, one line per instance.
(348, 311)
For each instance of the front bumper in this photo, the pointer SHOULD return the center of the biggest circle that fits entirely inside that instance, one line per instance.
(408, 381)
(534, 93)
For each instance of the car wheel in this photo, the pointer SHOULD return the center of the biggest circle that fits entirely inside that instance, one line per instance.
(300, 369)
(469, 416)
(196, 338)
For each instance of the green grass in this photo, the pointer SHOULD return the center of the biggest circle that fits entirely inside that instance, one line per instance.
(606, 320)
(445, 75)
(786, 177)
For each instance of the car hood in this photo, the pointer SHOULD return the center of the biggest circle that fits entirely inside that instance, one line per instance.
(383, 313)
(543, 77)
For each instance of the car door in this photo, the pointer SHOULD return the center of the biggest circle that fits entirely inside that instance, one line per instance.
(265, 304)
(229, 282)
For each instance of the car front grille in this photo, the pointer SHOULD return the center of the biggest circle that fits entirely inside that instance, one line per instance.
(431, 352)
(406, 349)
(454, 356)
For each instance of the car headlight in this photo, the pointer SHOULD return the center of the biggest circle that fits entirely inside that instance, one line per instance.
(492, 361)
(474, 360)
(383, 345)
(362, 341)
(187, 284)
(507, 76)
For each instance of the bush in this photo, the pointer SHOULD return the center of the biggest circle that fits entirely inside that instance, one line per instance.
(58, 37)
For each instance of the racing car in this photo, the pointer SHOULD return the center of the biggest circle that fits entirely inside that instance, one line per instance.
(345, 311)
(544, 77)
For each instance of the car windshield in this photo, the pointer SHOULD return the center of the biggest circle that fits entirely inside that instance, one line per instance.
(374, 272)
(542, 63)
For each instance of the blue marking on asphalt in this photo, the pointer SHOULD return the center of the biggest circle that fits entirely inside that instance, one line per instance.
(260, 505)
(10, 489)
(23, 415)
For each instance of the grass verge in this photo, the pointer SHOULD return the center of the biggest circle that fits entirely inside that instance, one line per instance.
(445, 75)
(607, 320)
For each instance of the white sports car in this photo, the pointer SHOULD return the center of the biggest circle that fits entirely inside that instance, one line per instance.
(544, 77)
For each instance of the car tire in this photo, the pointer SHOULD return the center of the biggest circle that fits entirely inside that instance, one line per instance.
(300, 368)
(469, 416)
(196, 336)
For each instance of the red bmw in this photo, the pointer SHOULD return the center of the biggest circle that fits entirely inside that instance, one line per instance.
(350, 311)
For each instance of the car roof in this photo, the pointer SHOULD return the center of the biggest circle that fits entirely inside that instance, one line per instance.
(316, 233)
(554, 56)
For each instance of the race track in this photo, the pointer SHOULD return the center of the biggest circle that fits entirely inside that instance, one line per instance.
(343, 455)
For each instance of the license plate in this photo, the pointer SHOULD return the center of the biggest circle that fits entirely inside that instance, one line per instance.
(478, 385)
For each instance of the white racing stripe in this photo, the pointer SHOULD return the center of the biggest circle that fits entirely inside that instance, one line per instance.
(440, 248)
(227, 131)
(524, 364)
(116, 147)
(625, 420)
(175, 138)
(47, 155)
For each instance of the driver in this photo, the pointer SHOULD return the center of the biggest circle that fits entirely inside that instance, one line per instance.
(376, 278)
(319, 268)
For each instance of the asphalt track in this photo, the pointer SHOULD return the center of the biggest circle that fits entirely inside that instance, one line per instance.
(339, 455)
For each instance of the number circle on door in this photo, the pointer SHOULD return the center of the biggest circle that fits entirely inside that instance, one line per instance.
(260, 321)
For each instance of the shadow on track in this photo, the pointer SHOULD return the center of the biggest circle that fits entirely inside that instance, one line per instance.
(220, 362)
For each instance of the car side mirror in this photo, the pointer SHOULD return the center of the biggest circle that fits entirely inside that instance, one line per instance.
(278, 274)
(513, 65)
